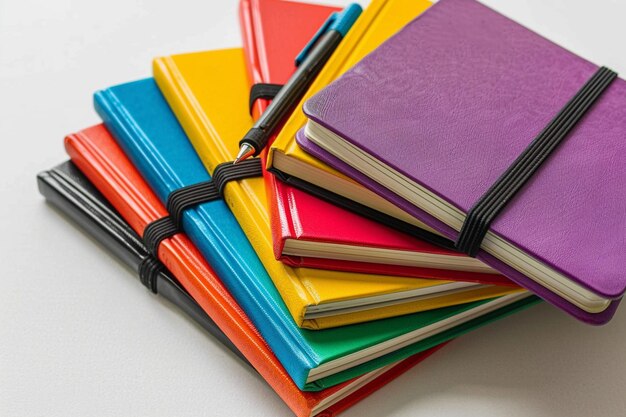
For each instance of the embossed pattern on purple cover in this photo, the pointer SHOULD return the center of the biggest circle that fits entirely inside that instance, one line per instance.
(455, 96)
(516, 276)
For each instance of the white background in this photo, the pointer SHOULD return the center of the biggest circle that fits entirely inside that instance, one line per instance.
(80, 336)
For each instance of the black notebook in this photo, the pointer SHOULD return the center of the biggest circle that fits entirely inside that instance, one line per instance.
(67, 189)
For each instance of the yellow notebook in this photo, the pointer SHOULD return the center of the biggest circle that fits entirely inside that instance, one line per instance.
(208, 92)
(380, 20)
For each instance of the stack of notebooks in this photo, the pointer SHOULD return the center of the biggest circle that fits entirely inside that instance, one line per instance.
(446, 168)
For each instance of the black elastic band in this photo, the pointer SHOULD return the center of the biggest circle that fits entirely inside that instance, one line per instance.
(482, 214)
(193, 195)
(204, 192)
(262, 90)
(149, 269)
(156, 231)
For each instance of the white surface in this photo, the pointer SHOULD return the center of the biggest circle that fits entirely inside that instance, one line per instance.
(79, 336)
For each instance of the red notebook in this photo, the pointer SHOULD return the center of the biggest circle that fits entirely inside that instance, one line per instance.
(308, 231)
(97, 155)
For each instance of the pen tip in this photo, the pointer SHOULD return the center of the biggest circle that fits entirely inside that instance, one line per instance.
(245, 152)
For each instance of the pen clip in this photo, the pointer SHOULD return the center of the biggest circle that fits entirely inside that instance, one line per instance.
(320, 32)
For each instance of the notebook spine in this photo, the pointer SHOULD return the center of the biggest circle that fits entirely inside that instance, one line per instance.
(83, 207)
(281, 221)
(295, 355)
(248, 10)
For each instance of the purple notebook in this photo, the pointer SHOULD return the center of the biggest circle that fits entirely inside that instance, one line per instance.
(437, 113)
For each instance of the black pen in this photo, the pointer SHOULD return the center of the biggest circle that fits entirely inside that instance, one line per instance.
(310, 61)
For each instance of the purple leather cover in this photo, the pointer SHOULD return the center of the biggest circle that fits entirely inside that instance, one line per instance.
(453, 98)
(512, 274)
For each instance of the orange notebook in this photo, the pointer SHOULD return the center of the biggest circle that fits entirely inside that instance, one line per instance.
(306, 230)
(97, 155)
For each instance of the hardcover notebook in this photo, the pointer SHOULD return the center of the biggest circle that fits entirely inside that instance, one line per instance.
(483, 102)
(380, 20)
(138, 116)
(214, 112)
(311, 232)
(68, 190)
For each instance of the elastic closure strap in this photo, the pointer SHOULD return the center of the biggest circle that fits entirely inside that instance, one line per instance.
(156, 231)
(149, 269)
(180, 200)
(262, 90)
(487, 208)
(183, 198)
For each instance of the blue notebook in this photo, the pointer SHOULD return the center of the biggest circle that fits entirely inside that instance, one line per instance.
(141, 121)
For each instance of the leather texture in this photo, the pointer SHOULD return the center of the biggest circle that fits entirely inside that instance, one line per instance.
(212, 126)
(295, 214)
(329, 159)
(143, 124)
(94, 151)
(67, 189)
(482, 103)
